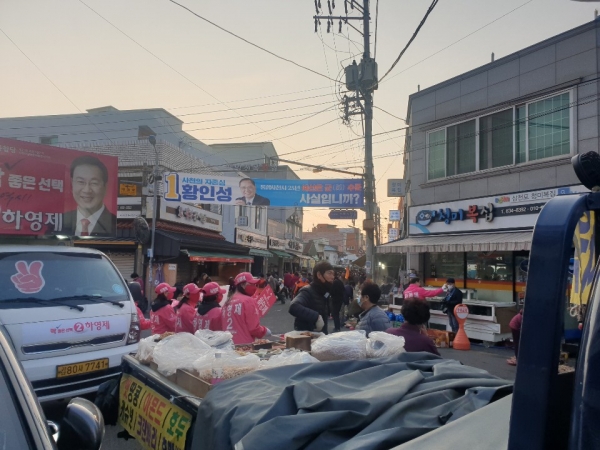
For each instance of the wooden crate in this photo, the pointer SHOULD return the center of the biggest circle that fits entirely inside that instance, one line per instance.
(191, 383)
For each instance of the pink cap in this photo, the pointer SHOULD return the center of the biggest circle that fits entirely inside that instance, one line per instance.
(190, 288)
(163, 288)
(245, 277)
(212, 288)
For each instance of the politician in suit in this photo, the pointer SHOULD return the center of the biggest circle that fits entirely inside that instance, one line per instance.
(250, 198)
(89, 177)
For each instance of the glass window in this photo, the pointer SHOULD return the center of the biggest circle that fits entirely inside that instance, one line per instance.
(521, 134)
(445, 265)
(460, 146)
(490, 266)
(549, 127)
(437, 154)
(49, 140)
(496, 140)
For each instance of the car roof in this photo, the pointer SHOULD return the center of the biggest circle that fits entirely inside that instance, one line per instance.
(47, 248)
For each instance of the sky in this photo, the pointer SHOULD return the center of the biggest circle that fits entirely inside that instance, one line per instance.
(68, 56)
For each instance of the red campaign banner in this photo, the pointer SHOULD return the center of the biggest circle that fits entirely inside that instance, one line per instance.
(47, 190)
(265, 298)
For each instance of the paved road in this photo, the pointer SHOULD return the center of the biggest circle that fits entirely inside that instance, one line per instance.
(279, 321)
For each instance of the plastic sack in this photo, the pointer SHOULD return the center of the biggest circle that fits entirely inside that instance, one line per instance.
(288, 357)
(232, 363)
(146, 348)
(178, 352)
(216, 339)
(381, 344)
(338, 346)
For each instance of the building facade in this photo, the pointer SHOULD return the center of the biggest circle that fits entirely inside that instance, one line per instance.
(486, 150)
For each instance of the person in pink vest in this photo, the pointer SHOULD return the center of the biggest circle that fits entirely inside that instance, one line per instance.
(162, 315)
(209, 311)
(414, 290)
(186, 309)
(145, 324)
(240, 314)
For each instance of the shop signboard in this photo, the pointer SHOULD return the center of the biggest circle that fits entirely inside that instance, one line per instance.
(393, 234)
(396, 188)
(249, 239)
(295, 246)
(190, 215)
(394, 215)
(51, 190)
(197, 188)
(129, 207)
(343, 214)
(500, 212)
(278, 244)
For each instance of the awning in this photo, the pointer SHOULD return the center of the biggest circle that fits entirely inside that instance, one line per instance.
(484, 242)
(169, 244)
(360, 262)
(259, 252)
(217, 257)
(281, 254)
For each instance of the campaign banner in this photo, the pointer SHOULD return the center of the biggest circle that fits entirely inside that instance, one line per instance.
(265, 298)
(197, 188)
(51, 190)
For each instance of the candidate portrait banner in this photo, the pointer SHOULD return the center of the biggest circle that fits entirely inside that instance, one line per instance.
(38, 195)
(197, 188)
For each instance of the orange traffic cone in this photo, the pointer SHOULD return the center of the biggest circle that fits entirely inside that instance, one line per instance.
(461, 341)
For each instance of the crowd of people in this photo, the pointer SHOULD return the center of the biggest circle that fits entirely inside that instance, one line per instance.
(316, 298)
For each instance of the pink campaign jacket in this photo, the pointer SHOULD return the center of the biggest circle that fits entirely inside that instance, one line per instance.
(186, 318)
(163, 320)
(210, 321)
(240, 317)
(414, 291)
(145, 324)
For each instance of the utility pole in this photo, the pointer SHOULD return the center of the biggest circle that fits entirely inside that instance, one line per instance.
(361, 80)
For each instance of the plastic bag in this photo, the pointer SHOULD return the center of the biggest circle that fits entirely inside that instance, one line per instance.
(216, 339)
(146, 349)
(286, 358)
(178, 352)
(381, 344)
(232, 363)
(333, 347)
(312, 334)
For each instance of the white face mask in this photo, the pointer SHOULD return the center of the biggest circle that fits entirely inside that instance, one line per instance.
(359, 301)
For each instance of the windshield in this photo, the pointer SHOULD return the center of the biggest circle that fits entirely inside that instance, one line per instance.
(60, 276)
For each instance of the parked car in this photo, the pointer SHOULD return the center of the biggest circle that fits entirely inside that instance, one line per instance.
(22, 421)
(69, 315)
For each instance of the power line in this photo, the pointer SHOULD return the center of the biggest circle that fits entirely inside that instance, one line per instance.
(412, 38)
(376, 28)
(390, 114)
(461, 39)
(251, 43)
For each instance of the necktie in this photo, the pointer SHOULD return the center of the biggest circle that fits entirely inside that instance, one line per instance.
(85, 224)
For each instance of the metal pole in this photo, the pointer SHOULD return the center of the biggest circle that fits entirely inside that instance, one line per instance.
(368, 101)
(152, 140)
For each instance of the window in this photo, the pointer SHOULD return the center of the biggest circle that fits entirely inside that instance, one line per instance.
(527, 132)
(445, 265)
(49, 140)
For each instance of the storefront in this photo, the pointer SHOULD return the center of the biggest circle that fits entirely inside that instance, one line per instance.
(257, 245)
(295, 248)
(483, 243)
(277, 263)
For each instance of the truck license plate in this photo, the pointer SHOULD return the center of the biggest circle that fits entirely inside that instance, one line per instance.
(70, 370)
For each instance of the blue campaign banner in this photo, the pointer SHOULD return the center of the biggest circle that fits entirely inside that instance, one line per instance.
(312, 193)
(198, 188)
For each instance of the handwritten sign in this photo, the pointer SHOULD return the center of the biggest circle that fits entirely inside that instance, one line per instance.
(150, 418)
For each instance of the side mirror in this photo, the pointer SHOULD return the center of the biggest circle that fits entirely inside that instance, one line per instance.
(82, 427)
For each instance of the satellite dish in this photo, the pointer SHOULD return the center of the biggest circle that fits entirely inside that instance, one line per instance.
(141, 230)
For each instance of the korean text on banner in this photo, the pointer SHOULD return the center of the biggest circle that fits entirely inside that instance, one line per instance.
(196, 188)
(48, 190)
(150, 418)
(585, 256)
(264, 300)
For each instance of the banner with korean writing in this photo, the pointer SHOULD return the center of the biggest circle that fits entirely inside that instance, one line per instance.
(196, 188)
(265, 298)
(48, 190)
(150, 418)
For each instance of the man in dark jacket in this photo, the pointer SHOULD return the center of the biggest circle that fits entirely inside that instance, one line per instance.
(454, 296)
(310, 307)
(337, 300)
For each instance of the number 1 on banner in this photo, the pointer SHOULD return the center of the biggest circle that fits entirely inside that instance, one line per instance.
(172, 180)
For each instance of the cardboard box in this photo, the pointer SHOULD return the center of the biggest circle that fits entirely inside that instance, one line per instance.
(191, 383)
(154, 367)
(299, 342)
